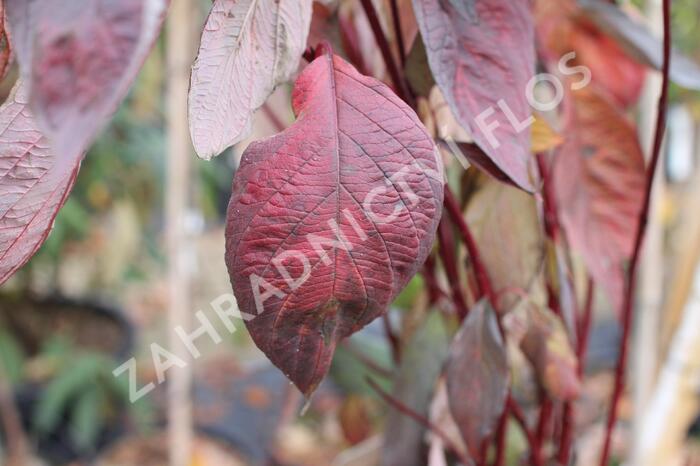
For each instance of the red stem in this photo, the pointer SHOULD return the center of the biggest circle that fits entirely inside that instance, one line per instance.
(581, 348)
(393, 339)
(542, 427)
(401, 407)
(449, 261)
(396, 18)
(501, 432)
(482, 277)
(627, 306)
(392, 68)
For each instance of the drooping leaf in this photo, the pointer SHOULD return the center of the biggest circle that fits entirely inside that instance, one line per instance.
(477, 377)
(482, 56)
(79, 59)
(507, 229)
(31, 192)
(331, 218)
(639, 42)
(547, 346)
(599, 180)
(5, 46)
(562, 29)
(247, 48)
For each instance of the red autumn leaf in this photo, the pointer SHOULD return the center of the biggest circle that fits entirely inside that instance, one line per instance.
(79, 58)
(477, 377)
(31, 193)
(546, 345)
(248, 47)
(599, 180)
(482, 56)
(330, 219)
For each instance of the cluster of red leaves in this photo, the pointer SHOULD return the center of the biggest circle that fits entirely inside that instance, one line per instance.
(330, 219)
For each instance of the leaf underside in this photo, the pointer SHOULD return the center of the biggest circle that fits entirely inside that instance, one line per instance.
(31, 193)
(79, 59)
(247, 48)
(357, 168)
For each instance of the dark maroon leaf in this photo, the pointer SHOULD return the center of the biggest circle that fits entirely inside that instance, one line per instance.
(477, 376)
(599, 180)
(79, 58)
(330, 219)
(31, 193)
(482, 56)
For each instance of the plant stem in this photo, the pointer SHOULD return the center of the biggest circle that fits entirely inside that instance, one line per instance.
(627, 306)
(392, 68)
(449, 261)
(396, 18)
(581, 347)
(419, 418)
(482, 277)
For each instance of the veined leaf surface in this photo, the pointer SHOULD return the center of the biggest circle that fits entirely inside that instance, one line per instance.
(330, 219)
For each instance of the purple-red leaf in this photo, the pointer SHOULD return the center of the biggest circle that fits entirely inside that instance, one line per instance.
(330, 219)
(79, 58)
(599, 181)
(482, 55)
(477, 377)
(30, 192)
(247, 48)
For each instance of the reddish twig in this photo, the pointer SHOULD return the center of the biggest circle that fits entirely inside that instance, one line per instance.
(581, 348)
(501, 432)
(542, 428)
(396, 18)
(392, 68)
(273, 117)
(366, 360)
(449, 261)
(482, 277)
(419, 418)
(627, 306)
(393, 339)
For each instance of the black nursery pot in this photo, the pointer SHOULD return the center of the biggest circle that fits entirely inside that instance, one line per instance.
(90, 325)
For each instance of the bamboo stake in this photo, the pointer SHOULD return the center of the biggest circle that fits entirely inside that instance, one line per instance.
(674, 404)
(180, 38)
(646, 346)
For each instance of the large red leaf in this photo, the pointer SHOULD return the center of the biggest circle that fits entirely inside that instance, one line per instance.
(482, 53)
(599, 180)
(30, 194)
(477, 377)
(357, 169)
(247, 48)
(79, 58)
